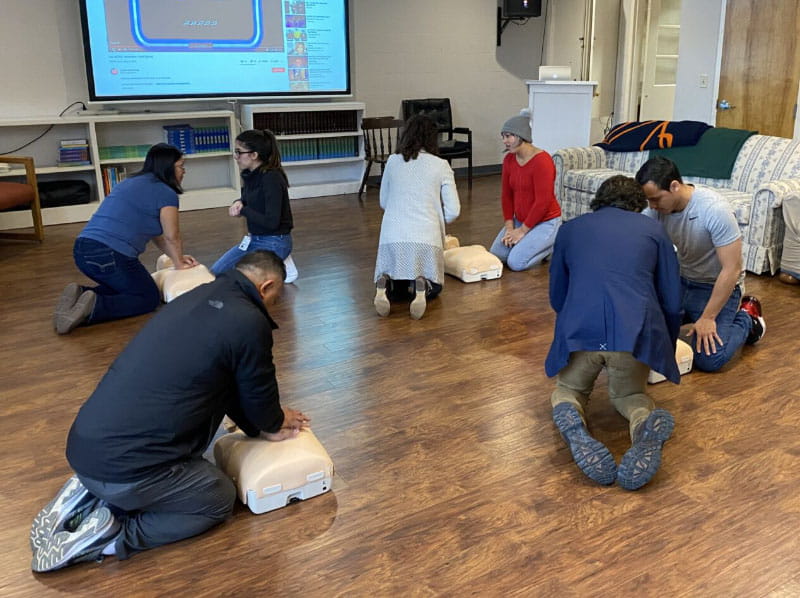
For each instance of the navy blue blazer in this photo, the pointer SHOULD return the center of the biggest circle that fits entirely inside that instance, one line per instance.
(615, 286)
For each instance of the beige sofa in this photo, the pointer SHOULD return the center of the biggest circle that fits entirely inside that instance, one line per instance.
(766, 173)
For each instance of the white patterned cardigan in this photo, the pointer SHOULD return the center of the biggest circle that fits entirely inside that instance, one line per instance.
(766, 173)
(418, 198)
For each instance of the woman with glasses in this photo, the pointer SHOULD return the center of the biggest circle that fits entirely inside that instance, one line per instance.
(142, 208)
(531, 212)
(264, 203)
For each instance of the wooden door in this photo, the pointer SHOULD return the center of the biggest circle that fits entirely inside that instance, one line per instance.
(760, 66)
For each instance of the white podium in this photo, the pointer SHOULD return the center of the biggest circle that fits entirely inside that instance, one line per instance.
(561, 113)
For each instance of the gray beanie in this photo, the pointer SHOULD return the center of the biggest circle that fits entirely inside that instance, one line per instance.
(519, 125)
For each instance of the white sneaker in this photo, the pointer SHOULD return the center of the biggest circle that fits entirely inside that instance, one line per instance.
(291, 270)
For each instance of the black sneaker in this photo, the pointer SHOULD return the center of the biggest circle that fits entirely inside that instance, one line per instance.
(86, 543)
(752, 306)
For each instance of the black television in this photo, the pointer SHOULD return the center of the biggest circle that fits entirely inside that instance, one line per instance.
(139, 50)
(522, 8)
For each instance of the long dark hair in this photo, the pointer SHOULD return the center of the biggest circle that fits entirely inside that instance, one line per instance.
(266, 146)
(420, 133)
(160, 161)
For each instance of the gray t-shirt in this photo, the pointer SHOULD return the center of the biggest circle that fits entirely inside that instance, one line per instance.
(707, 222)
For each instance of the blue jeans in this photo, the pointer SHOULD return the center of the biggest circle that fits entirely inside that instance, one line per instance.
(532, 249)
(733, 325)
(280, 245)
(125, 288)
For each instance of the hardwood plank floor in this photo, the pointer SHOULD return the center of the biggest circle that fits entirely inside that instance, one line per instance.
(451, 479)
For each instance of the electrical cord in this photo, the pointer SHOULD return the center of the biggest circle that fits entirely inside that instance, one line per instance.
(43, 133)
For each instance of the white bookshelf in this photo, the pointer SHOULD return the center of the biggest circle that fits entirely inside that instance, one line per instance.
(332, 131)
(212, 178)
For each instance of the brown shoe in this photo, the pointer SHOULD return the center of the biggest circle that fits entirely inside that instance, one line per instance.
(69, 296)
(77, 314)
(381, 301)
(419, 303)
(788, 278)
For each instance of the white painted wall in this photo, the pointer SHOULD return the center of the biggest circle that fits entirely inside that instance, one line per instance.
(425, 48)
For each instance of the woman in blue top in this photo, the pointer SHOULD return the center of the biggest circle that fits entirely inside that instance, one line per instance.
(141, 208)
(264, 202)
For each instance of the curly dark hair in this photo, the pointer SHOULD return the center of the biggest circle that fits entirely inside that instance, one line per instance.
(420, 133)
(621, 192)
(659, 170)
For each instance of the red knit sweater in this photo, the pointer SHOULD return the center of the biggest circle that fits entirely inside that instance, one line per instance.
(528, 191)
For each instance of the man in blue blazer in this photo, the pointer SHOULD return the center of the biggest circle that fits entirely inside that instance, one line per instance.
(615, 288)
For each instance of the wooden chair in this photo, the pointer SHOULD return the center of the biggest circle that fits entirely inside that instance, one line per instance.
(13, 195)
(381, 134)
(450, 148)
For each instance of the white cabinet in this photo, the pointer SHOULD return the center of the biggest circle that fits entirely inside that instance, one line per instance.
(119, 141)
(322, 148)
(561, 113)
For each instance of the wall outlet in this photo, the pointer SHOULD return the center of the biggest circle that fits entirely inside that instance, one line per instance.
(703, 81)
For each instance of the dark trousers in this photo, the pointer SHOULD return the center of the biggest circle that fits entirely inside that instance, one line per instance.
(176, 502)
(403, 290)
(125, 288)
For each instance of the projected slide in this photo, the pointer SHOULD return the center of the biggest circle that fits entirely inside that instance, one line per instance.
(210, 23)
(203, 48)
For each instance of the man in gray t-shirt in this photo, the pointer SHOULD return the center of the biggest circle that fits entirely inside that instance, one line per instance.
(706, 235)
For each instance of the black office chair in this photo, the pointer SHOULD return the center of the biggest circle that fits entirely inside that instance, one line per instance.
(450, 148)
(381, 134)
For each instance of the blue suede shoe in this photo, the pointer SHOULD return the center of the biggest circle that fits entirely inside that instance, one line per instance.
(641, 462)
(591, 456)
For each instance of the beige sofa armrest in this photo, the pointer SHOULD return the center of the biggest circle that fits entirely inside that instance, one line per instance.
(766, 227)
(575, 158)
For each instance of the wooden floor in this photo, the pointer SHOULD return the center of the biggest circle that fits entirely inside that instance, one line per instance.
(451, 479)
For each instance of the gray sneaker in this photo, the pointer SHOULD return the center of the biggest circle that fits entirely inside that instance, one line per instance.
(70, 319)
(64, 512)
(69, 296)
(86, 543)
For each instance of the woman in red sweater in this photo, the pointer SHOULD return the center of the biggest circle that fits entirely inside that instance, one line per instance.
(530, 210)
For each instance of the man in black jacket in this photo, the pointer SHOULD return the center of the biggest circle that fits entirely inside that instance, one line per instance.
(136, 445)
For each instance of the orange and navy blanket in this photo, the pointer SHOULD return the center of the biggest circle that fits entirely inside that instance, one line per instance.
(653, 134)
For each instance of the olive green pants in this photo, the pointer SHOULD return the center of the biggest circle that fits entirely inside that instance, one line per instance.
(627, 381)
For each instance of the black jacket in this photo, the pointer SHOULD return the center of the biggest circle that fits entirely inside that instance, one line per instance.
(265, 199)
(205, 354)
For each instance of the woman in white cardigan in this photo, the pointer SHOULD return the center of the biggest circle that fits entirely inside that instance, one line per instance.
(418, 196)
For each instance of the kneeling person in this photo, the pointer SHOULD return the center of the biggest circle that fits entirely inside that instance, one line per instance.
(136, 445)
(615, 288)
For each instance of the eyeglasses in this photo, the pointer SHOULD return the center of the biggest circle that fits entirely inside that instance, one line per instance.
(238, 152)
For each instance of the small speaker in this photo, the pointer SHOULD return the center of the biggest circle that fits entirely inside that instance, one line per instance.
(522, 8)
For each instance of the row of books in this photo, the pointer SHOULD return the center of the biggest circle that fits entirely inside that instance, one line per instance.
(73, 152)
(115, 152)
(192, 140)
(294, 150)
(111, 176)
(303, 123)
